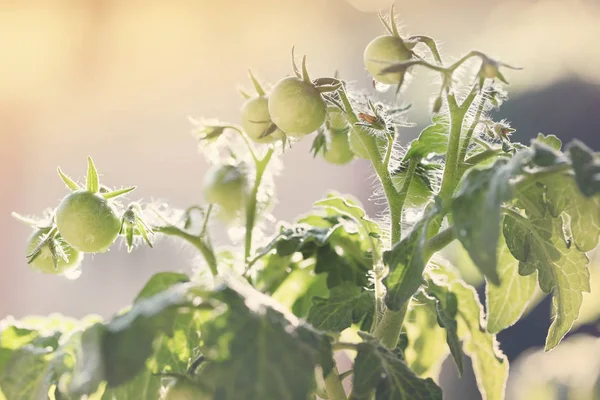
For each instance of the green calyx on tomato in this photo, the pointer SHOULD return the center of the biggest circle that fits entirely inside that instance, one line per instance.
(225, 186)
(256, 121)
(184, 389)
(381, 53)
(85, 218)
(297, 107)
(53, 257)
(337, 148)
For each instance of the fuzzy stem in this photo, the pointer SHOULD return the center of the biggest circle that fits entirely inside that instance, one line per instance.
(469, 135)
(197, 241)
(449, 177)
(261, 166)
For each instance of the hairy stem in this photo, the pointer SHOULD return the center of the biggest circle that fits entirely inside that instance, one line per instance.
(261, 166)
(199, 242)
(467, 140)
(449, 178)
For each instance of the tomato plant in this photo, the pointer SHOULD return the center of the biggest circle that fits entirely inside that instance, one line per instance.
(278, 306)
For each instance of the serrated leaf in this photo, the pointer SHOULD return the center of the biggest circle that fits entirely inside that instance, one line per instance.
(507, 302)
(446, 308)
(563, 195)
(259, 351)
(347, 304)
(489, 364)
(118, 351)
(586, 167)
(406, 261)
(550, 140)
(425, 348)
(432, 140)
(476, 211)
(540, 245)
(380, 370)
(350, 208)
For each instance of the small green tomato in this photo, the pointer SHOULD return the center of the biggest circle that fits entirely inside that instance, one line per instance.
(296, 107)
(225, 186)
(87, 221)
(256, 120)
(336, 120)
(338, 148)
(381, 53)
(356, 145)
(419, 191)
(184, 389)
(44, 263)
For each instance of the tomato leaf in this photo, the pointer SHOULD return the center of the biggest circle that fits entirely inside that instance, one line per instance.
(489, 364)
(425, 349)
(476, 211)
(258, 351)
(406, 261)
(446, 308)
(539, 244)
(383, 371)
(507, 302)
(350, 208)
(432, 140)
(347, 304)
(586, 167)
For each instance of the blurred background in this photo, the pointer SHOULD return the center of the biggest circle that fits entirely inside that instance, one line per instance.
(117, 80)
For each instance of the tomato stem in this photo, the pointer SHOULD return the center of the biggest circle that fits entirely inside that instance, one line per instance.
(334, 387)
(261, 166)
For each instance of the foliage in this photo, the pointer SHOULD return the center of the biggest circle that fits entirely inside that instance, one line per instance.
(268, 323)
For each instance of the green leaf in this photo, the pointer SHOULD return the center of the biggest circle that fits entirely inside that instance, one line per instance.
(425, 349)
(258, 351)
(550, 140)
(349, 207)
(476, 211)
(563, 195)
(35, 352)
(380, 370)
(489, 364)
(540, 245)
(586, 167)
(26, 375)
(507, 302)
(119, 350)
(347, 304)
(406, 261)
(432, 140)
(160, 282)
(446, 308)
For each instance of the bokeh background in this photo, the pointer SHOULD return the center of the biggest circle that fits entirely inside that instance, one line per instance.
(117, 79)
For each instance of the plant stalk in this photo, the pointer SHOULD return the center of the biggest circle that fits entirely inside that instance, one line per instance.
(261, 166)
(334, 387)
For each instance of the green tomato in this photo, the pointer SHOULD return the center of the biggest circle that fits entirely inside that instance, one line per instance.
(44, 263)
(225, 186)
(381, 53)
(256, 120)
(296, 107)
(356, 145)
(336, 120)
(419, 191)
(338, 148)
(184, 389)
(87, 221)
